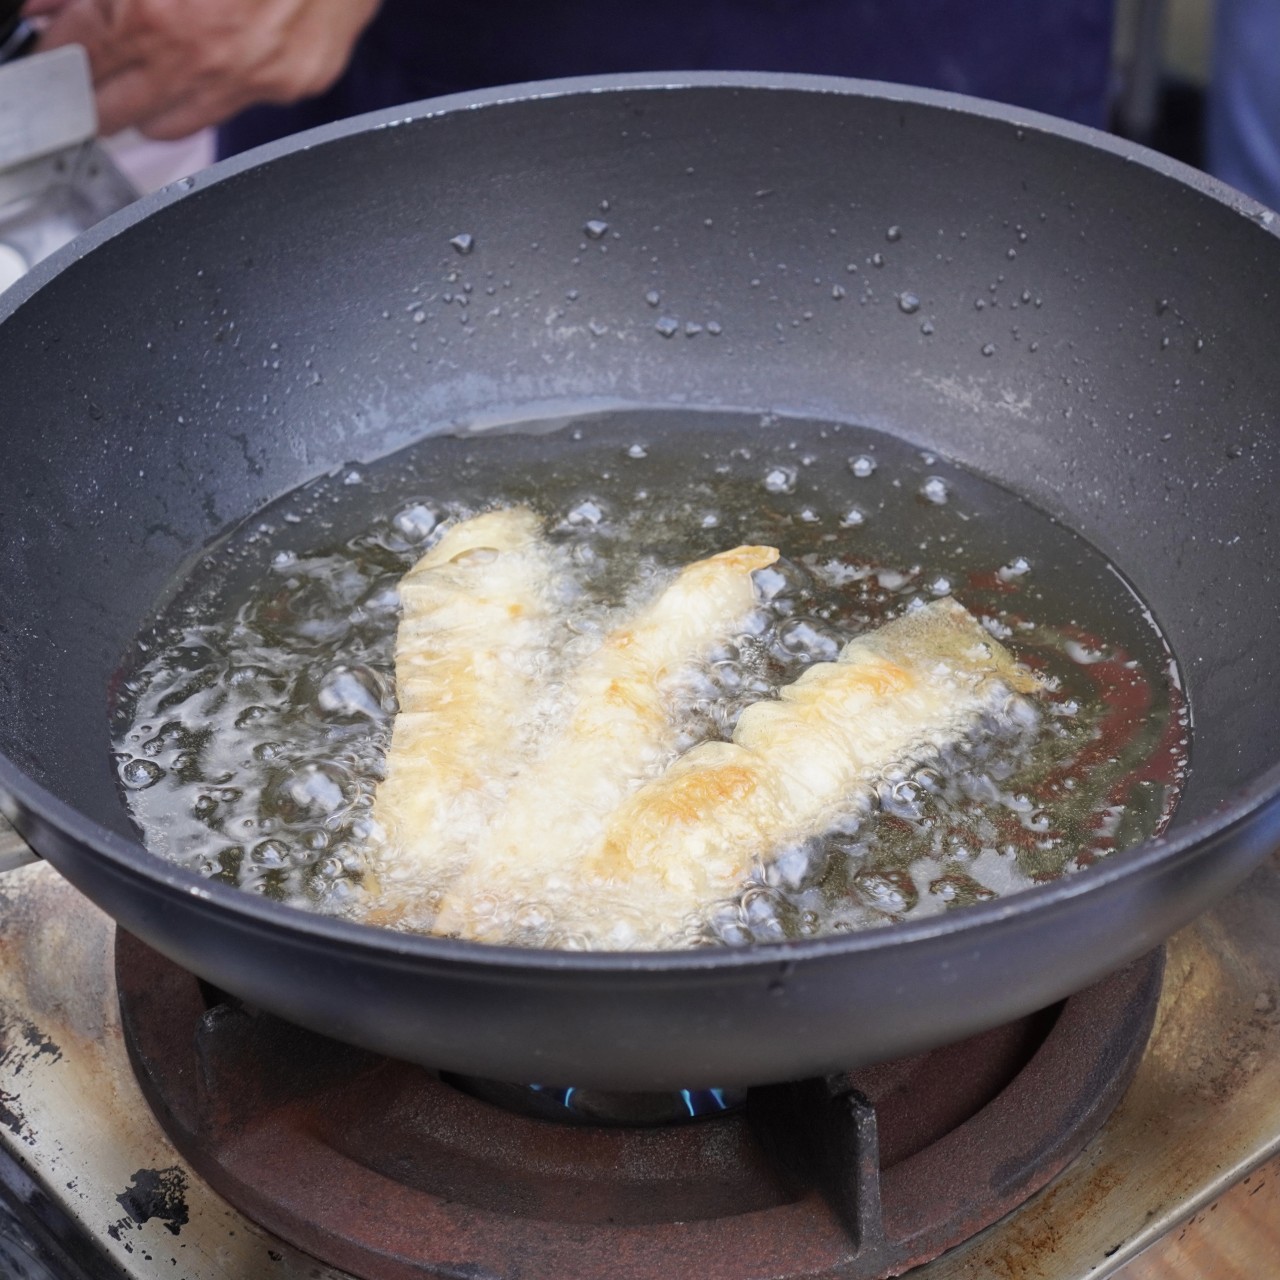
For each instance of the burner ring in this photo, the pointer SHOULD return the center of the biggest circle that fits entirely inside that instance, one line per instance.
(391, 1172)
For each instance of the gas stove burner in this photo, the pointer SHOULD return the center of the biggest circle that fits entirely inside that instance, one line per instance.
(600, 1107)
(391, 1171)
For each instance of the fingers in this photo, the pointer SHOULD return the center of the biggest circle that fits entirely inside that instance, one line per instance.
(42, 8)
(171, 67)
(129, 99)
(88, 23)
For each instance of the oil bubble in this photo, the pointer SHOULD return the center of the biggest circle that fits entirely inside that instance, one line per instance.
(805, 638)
(349, 694)
(270, 853)
(312, 790)
(137, 775)
(415, 523)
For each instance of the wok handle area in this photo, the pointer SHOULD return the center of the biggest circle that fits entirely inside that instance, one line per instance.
(15, 852)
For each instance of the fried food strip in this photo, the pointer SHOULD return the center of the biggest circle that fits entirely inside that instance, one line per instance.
(619, 730)
(690, 838)
(477, 622)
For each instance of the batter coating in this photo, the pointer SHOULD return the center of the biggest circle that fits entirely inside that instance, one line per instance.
(478, 621)
(618, 732)
(691, 837)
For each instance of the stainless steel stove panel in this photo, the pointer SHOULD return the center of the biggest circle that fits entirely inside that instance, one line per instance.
(1203, 1112)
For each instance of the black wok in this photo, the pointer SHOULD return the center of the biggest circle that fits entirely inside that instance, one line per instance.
(146, 406)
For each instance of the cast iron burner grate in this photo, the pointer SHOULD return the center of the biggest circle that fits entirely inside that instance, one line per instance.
(390, 1172)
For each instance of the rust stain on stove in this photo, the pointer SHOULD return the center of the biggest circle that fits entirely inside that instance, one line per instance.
(1031, 1244)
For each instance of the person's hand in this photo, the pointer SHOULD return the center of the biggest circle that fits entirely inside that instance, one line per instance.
(170, 67)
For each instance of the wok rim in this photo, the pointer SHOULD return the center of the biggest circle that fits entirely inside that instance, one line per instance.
(133, 859)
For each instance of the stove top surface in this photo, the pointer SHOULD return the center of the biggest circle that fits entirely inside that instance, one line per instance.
(1202, 1113)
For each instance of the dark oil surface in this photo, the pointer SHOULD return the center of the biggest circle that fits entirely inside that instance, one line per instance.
(257, 714)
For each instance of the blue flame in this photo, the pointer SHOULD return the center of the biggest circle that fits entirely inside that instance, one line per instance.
(697, 1102)
(562, 1096)
(705, 1102)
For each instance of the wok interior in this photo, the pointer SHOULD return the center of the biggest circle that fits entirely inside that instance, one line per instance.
(265, 328)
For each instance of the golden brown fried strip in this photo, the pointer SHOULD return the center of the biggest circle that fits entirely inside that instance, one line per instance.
(619, 730)
(691, 837)
(476, 625)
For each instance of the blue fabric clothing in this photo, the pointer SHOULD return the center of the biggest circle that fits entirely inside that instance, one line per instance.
(1053, 57)
(1243, 135)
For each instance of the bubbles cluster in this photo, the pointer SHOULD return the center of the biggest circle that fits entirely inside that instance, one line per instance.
(256, 715)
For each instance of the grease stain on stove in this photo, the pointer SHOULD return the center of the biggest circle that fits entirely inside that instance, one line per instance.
(153, 1193)
(1210, 1063)
(13, 1120)
(21, 1044)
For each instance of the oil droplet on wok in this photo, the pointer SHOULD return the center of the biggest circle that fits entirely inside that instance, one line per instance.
(935, 490)
(863, 465)
(586, 512)
(780, 480)
(908, 303)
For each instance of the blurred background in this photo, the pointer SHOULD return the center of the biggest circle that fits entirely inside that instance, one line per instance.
(1196, 79)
